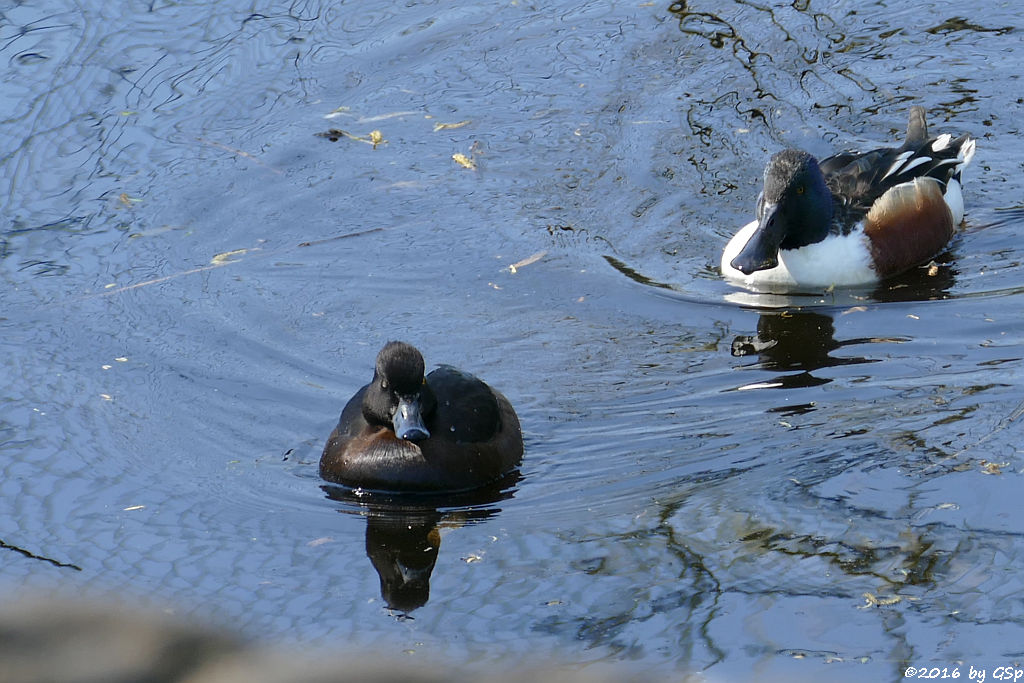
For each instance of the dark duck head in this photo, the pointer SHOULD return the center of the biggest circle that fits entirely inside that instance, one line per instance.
(399, 397)
(794, 210)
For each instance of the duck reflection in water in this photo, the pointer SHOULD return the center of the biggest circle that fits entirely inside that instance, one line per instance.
(403, 533)
(792, 341)
(800, 341)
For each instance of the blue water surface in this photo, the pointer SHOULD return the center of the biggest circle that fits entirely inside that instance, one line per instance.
(214, 214)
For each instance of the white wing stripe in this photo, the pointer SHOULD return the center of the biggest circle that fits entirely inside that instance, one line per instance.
(896, 164)
(942, 142)
(915, 163)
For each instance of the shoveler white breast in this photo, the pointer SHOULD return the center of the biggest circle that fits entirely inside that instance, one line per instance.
(853, 218)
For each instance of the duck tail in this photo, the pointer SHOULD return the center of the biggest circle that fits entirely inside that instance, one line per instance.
(917, 128)
(965, 155)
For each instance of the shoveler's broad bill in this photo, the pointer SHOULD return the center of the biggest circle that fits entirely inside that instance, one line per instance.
(853, 218)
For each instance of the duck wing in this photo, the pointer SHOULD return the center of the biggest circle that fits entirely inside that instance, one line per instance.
(859, 179)
(467, 409)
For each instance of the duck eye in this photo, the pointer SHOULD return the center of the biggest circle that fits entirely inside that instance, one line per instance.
(384, 384)
(799, 189)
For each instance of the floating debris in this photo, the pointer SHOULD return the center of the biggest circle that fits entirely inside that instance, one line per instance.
(872, 601)
(451, 126)
(533, 258)
(854, 309)
(225, 257)
(239, 153)
(337, 112)
(375, 137)
(384, 117)
(320, 541)
(464, 161)
(992, 467)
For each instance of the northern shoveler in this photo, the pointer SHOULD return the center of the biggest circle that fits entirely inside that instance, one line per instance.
(853, 218)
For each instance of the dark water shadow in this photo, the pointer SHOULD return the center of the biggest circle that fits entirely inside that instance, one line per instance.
(403, 532)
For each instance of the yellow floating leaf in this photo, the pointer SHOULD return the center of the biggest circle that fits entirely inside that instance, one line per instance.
(126, 200)
(992, 467)
(872, 601)
(376, 138)
(464, 161)
(225, 257)
(451, 126)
